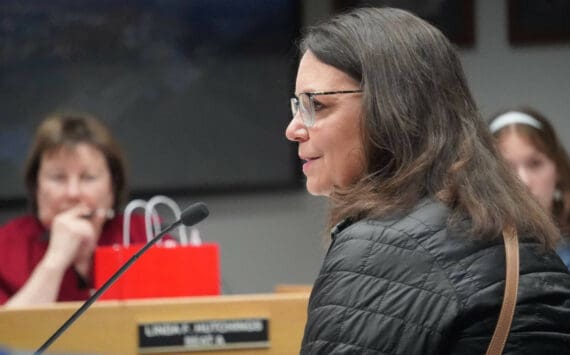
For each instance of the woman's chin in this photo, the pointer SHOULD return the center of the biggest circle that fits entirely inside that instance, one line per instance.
(316, 189)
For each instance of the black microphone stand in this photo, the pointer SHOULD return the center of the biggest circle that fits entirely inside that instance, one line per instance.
(104, 288)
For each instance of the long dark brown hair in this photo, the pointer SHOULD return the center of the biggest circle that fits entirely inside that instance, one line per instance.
(70, 129)
(545, 141)
(422, 133)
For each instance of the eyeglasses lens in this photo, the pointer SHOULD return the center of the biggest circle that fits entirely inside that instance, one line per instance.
(305, 105)
(307, 113)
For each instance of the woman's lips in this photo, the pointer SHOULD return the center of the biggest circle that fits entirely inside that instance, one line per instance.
(307, 164)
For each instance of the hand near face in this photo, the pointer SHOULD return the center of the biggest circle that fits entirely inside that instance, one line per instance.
(73, 237)
(73, 183)
(74, 195)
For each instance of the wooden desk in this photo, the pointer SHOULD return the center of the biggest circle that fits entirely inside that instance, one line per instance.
(111, 327)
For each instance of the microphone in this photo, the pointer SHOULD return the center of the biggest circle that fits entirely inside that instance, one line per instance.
(192, 215)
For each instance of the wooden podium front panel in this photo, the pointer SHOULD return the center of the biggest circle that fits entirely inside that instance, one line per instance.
(111, 327)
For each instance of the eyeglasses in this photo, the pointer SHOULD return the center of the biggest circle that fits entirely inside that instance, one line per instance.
(306, 104)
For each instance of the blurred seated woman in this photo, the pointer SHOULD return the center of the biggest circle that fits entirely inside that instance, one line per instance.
(76, 180)
(529, 144)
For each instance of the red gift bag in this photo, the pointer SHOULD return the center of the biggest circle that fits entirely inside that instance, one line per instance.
(165, 270)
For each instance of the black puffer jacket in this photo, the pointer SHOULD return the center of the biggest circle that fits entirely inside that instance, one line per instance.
(411, 286)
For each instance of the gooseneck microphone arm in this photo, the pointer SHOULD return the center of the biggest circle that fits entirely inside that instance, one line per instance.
(190, 216)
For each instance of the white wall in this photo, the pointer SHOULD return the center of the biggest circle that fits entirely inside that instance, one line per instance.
(502, 75)
(266, 239)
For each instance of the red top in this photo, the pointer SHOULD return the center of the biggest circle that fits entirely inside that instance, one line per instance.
(24, 241)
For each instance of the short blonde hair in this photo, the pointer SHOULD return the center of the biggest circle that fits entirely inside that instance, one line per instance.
(69, 129)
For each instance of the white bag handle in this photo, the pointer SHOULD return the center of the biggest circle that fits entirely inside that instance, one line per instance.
(151, 208)
(152, 221)
(131, 206)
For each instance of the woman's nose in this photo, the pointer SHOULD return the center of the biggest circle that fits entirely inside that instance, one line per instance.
(524, 176)
(296, 130)
(73, 188)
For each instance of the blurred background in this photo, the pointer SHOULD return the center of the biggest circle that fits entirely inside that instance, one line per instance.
(197, 93)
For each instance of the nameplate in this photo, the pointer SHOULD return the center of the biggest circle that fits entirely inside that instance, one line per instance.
(164, 337)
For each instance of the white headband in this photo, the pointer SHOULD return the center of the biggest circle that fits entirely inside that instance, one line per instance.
(514, 117)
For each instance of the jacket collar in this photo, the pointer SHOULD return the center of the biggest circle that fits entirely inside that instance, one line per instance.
(340, 226)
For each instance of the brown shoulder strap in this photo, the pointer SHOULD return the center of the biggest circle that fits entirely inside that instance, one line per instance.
(510, 296)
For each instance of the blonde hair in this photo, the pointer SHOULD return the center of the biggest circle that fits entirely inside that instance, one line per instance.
(69, 129)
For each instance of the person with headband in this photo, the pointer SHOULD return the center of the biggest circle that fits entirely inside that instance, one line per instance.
(529, 144)
(388, 131)
(76, 180)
